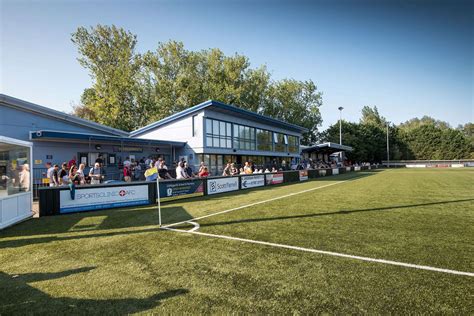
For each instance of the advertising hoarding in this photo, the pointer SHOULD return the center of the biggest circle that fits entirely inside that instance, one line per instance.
(303, 175)
(335, 171)
(221, 185)
(248, 182)
(181, 187)
(103, 198)
(274, 178)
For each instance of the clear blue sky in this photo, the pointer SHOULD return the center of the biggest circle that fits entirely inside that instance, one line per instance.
(409, 58)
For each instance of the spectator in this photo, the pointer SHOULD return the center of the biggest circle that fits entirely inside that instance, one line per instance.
(267, 171)
(54, 177)
(151, 174)
(80, 172)
(233, 169)
(241, 171)
(63, 174)
(188, 170)
(74, 177)
(248, 168)
(96, 174)
(25, 178)
(201, 167)
(163, 170)
(274, 169)
(100, 160)
(126, 162)
(180, 173)
(227, 170)
(127, 173)
(137, 172)
(204, 172)
(71, 162)
(49, 172)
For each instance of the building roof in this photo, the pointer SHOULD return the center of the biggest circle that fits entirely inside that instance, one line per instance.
(60, 135)
(220, 106)
(41, 110)
(327, 148)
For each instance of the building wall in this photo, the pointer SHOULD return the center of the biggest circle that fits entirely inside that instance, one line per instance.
(17, 124)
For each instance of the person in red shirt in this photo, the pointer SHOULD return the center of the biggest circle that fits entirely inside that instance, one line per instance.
(71, 163)
(204, 172)
(127, 174)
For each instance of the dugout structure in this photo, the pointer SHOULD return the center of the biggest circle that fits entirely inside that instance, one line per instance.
(16, 198)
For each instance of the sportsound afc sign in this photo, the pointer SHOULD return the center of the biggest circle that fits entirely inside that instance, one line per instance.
(103, 198)
(180, 188)
(222, 185)
(248, 182)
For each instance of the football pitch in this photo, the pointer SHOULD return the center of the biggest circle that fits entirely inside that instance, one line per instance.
(384, 241)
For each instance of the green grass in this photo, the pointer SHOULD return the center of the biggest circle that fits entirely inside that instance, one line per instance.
(118, 261)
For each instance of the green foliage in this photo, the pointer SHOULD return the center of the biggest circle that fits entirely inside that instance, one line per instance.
(109, 55)
(131, 90)
(424, 138)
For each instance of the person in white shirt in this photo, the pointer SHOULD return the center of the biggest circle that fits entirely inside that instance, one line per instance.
(25, 178)
(180, 172)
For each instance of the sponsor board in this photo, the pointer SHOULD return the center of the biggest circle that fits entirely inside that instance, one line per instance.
(356, 168)
(181, 187)
(222, 185)
(274, 178)
(303, 175)
(415, 166)
(102, 198)
(335, 171)
(248, 182)
(322, 173)
(457, 165)
(348, 169)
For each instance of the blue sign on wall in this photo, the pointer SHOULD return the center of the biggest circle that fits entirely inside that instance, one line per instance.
(181, 187)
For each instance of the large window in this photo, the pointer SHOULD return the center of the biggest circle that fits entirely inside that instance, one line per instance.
(293, 144)
(15, 171)
(244, 137)
(218, 134)
(264, 140)
(280, 141)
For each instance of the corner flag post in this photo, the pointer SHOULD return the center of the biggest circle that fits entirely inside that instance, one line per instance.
(159, 203)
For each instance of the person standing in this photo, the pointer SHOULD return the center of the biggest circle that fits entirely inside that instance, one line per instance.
(71, 162)
(188, 170)
(25, 178)
(63, 174)
(127, 173)
(180, 173)
(54, 177)
(80, 172)
(96, 174)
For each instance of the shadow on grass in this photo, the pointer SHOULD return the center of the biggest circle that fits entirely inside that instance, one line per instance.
(40, 240)
(343, 212)
(18, 297)
(93, 221)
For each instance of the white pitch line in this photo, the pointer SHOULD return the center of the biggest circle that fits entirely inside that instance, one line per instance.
(259, 202)
(330, 253)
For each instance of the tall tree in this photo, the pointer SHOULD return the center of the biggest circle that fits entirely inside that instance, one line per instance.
(131, 90)
(109, 54)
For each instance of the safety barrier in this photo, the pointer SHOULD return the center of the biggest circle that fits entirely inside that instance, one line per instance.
(62, 200)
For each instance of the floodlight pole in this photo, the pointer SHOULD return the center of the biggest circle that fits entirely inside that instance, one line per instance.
(340, 128)
(388, 150)
(159, 203)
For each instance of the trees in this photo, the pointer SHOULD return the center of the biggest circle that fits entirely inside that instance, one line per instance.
(109, 55)
(131, 90)
(425, 138)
